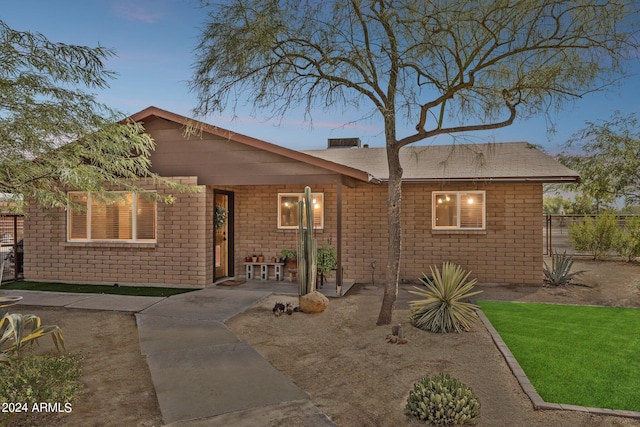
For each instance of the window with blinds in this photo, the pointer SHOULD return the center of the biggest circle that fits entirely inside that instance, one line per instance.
(459, 210)
(288, 210)
(125, 217)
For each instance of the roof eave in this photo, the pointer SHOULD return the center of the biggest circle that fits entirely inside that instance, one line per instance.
(542, 179)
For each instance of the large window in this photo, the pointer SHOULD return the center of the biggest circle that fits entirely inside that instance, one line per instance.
(126, 217)
(459, 210)
(288, 210)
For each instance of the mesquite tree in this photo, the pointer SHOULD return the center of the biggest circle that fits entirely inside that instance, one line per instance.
(608, 159)
(444, 66)
(54, 134)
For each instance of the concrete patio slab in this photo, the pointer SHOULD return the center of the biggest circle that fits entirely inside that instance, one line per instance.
(115, 302)
(210, 381)
(207, 304)
(48, 299)
(161, 333)
(299, 413)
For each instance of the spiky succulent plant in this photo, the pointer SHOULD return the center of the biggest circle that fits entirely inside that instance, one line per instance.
(443, 400)
(443, 308)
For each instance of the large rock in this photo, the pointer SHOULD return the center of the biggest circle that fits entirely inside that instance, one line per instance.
(313, 302)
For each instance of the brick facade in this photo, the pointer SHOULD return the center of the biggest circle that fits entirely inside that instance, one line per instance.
(180, 256)
(509, 251)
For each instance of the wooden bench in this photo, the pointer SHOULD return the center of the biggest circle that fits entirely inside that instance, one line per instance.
(252, 267)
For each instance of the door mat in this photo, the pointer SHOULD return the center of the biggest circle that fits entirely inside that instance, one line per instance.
(232, 283)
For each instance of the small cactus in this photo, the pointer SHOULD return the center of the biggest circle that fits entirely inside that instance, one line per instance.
(443, 400)
(307, 246)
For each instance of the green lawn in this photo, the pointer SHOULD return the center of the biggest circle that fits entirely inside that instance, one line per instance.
(587, 356)
(145, 291)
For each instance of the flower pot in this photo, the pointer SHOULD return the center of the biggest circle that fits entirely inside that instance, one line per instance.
(254, 259)
(292, 263)
(260, 259)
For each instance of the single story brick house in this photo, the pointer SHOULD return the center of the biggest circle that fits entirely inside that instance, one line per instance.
(476, 205)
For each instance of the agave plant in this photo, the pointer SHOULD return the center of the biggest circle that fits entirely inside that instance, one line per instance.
(443, 308)
(18, 330)
(560, 272)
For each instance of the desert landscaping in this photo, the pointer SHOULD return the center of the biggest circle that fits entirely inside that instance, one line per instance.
(339, 357)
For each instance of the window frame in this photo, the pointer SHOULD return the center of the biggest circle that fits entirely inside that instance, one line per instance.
(458, 194)
(134, 220)
(300, 197)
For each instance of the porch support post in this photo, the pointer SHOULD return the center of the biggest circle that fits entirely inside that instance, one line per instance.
(339, 236)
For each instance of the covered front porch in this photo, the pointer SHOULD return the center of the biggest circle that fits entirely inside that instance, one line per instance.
(245, 180)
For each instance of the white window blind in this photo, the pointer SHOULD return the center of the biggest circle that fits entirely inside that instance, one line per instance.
(112, 219)
(78, 218)
(464, 210)
(145, 218)
(288, 210)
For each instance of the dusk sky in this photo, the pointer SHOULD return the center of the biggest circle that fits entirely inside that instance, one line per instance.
(155, 41)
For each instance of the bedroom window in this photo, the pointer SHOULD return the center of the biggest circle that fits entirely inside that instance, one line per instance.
(459, 210)
(288, 210)
(128, 217)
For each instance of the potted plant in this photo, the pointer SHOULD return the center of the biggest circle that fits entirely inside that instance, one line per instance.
(289, 257)
(327, 261)
(247, 259)
(260, 258)
(254, 258)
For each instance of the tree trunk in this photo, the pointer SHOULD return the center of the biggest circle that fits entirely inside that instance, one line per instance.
(394, 234)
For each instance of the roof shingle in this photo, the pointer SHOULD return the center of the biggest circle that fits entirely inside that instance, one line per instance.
(512, 161)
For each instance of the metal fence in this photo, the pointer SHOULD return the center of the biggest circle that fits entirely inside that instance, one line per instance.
(556, 232)
(11, 248)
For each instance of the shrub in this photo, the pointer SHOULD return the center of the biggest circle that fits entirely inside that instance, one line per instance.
(560, 272)
(327, 259)
(442, 309)
(443, 400)
(34, 379)
(595, 236)
(627, 243)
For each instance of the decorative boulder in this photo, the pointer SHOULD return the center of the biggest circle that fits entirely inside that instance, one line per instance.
(313, 302)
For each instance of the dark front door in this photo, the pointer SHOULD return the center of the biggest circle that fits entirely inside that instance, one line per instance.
(223, 234)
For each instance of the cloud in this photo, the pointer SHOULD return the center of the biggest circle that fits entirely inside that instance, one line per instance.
(144, 11)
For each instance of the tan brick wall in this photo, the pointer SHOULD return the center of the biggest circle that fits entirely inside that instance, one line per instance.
(256, 216)
(510, 251)
(178, 257)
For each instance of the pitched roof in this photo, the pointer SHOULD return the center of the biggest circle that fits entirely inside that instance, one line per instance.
(497, 162)
(198, 126)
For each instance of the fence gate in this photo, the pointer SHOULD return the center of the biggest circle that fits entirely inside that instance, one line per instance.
(11, 248)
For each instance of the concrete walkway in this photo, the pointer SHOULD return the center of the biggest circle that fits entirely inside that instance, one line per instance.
(203, 375)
